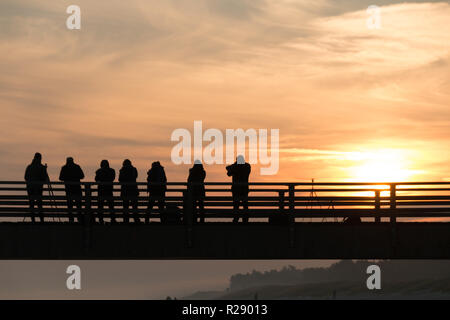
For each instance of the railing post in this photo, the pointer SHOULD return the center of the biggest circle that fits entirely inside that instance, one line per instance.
(188, 215)
(88, 203)
(281, 201)
(291, 215)
(377, 206)
(393, 204)
(291, 199)
(87, 215)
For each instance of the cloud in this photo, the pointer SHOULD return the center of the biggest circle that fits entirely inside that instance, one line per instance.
(138, 70)
(237, 9)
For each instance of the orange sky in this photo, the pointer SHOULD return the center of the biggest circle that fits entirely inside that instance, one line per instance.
(351, 103)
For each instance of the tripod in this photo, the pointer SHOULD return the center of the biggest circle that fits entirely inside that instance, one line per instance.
(313, 196)
(51, 194)
(51, 197)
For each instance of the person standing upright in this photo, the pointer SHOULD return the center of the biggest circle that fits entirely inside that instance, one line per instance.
(156, 179)
(35, 176)
(240, 172)
(105, 176)
(196, 188)
(71, 173)
(129, 190)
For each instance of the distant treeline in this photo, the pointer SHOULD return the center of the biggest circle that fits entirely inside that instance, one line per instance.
(345, 270)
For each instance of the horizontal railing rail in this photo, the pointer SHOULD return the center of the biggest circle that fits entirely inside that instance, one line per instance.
(277, 202)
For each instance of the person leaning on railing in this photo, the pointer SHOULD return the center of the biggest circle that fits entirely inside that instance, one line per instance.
(71, 173)
(105, 176)
(196, 188)
(35, 176)
(129, 190)
(156, 187)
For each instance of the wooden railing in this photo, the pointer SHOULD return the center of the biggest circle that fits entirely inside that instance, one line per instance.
(273, 202)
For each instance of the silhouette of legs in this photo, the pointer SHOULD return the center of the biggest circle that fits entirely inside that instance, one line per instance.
(101, 203)
(134, 205)
(79, 210)
(69, 208)
(71, 201)
(111, 209)
(199, 210)
(32, 200)
(126, 204)
(239, 199)
(245, 207)
(151, 203)
(35, 197)
(38, 201)
(236, 208)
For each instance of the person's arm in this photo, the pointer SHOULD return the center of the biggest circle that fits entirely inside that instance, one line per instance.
(81, 173)
(97, 178)
(203, 175)
(62, 174)
(46, 176)
(27, 173)
(230, 170)
(113, 175)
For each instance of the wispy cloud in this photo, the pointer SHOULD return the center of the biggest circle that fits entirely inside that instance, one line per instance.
(138, 70)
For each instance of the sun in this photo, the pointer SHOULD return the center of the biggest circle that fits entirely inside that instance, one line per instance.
(384, 165)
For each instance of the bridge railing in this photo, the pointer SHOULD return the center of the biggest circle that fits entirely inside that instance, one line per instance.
(279, 202)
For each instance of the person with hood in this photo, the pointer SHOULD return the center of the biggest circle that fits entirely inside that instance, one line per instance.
(129, 190)
(240, 172)
(196, 188)
(105, 177)
(35, 176)
(71, 174)
(156, 186)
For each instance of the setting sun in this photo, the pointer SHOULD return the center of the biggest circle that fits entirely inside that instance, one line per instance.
(384, 165)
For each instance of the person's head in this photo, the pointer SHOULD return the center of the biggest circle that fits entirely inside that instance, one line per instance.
(37, 157)
(240, 159)
(126, 163)
(69, 160)
(156, 164)
(198, 164)
(104, 164)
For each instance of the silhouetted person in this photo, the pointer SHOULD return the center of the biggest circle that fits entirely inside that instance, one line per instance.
(156, 186)
(71, 174)
(129, 190)
(35, 176)
(239, 171)
(105, 176)
(196, 188)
